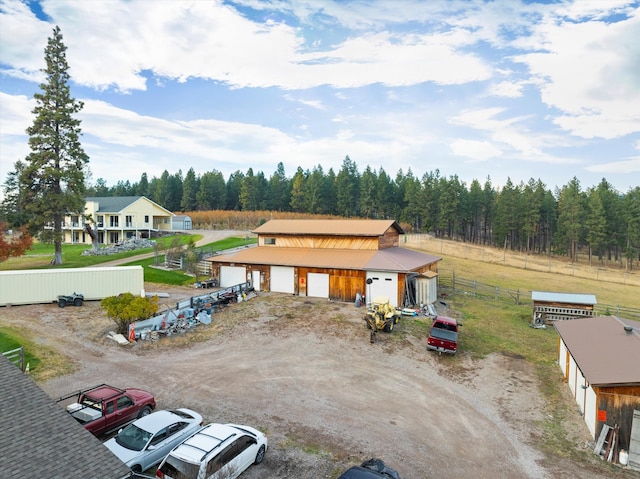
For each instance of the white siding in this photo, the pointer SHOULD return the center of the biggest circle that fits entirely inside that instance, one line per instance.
(383, 283)
(590, 411)
(232, 275)
(44, 286)
(426, 290)
(282, 279)
(562, 359)
(572, 375)
(255, 279)
(318, 285)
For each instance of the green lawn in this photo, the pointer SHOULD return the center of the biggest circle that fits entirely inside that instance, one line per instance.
(40, 255)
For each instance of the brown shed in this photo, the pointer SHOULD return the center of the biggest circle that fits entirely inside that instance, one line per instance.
(600, 361)
(335, 259)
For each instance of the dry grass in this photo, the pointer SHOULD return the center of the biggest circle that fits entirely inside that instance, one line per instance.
(517, 271)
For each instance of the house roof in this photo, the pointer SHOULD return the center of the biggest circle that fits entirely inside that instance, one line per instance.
(116, 204)
(38, 438)
(571, 298)
(327, 227)
(390, 259)
(605, 353)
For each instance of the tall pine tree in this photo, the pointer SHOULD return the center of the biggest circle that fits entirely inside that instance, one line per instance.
(53, 178)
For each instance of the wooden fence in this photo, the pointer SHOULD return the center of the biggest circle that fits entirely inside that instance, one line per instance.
(449, 280)
(16, 356)
(614, 273)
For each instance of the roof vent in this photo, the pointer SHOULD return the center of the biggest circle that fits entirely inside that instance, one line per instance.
(628, 329)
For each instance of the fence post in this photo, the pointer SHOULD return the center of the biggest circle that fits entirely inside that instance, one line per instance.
(453, 280)
(518, 297)
(497, 294)
(474, 288)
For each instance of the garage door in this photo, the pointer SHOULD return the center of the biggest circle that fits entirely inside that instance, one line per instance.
(282, 279)
(232, 275)
(318, 285)
(383, 284)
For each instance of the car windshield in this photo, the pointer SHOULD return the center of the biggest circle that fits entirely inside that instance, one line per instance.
(444, 334)
(134, 438)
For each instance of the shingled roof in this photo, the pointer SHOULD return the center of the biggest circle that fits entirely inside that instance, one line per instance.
(39, 439)
(116, 204)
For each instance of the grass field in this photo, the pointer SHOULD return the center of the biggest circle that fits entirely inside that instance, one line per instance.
(41, 254)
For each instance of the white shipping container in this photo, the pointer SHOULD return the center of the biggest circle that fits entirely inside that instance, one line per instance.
(44, 286)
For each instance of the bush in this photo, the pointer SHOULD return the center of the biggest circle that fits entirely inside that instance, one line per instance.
(126, 308)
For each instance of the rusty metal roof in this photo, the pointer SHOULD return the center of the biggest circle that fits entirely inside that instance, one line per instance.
(390, 259)
(571, 298)
(327, 227)
(606, 354)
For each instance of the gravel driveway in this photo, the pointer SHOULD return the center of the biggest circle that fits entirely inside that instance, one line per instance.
(303, 370)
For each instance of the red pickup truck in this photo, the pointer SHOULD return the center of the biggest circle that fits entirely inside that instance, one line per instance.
(443, 335)
(103, 409)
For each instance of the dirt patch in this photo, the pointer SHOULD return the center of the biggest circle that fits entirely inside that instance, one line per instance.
(303, 370)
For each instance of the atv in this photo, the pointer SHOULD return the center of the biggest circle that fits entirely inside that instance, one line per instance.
(76, 299)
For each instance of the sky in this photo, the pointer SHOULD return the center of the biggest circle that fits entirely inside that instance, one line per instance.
(478, 89)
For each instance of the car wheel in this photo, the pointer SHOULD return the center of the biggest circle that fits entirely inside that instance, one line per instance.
(145, 412)
(137, 469)
(77, 302)
(388, 327)
(260, 455)
(62, 304)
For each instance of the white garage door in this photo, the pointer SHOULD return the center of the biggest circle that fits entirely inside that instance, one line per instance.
(318, 285)
(232, 275)
(382, 284)
(282, 279)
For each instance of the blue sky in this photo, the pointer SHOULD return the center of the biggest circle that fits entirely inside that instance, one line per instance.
(547, 90)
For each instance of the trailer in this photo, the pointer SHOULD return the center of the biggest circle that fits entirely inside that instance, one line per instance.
(45, 285)
(189, 312)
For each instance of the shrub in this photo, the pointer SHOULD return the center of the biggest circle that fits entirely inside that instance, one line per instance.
(127, 308)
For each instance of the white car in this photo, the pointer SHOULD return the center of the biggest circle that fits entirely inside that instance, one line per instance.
(145, 442)
(216, 451)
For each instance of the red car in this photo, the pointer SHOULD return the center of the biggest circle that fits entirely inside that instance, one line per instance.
(103, 409)
(443, 336)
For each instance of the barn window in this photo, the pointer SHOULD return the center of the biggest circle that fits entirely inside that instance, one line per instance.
(269, 241)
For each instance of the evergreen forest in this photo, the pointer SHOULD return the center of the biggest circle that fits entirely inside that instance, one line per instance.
(527, 217)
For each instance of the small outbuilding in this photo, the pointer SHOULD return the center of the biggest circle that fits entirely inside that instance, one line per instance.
(550, 306)
(600, 360)
(181, 222)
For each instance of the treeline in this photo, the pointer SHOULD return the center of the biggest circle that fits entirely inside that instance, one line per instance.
(527, 217)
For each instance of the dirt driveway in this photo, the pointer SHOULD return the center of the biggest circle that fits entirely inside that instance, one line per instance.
(303, 370)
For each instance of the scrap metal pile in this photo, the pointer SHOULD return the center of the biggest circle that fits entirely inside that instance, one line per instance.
(189, 313)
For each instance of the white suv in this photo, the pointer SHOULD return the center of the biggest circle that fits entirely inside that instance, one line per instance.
(217, 451)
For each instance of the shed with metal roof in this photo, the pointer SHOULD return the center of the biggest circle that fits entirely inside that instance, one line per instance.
(600, 360)
(551, 306)
(334, 259)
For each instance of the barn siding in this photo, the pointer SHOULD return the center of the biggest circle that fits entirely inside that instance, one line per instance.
(390, 239)
(320, 242)
(344, 284)
(618, 402)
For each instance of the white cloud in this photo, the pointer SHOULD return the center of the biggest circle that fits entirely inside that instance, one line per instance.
(476, 150)
(506, 89)
(110, 44)
(631, 165)
(589, 71)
